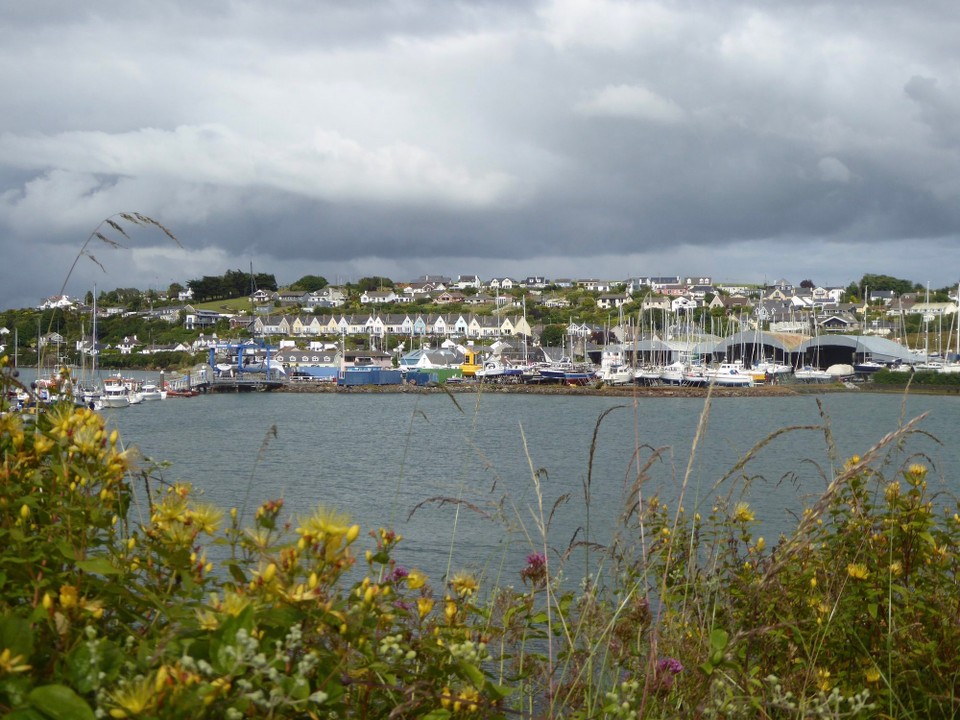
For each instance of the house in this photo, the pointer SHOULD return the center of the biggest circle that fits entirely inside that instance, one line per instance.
(683, 303)
(52, 338)
(468, 281)
(194, 319)
(837, 323)
(448, 297)
(272, 325)
(502, 283)
(328, 297)
(56, 301)
(556, 301)
(606, 302)
(378, 297)
(534, 281)
(289, 297)
(127, 345)
(262, 296)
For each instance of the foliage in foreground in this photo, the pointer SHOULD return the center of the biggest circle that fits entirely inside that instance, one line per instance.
(111, 606)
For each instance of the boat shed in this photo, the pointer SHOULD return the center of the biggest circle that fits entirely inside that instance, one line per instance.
(755, 345)
(852, 349)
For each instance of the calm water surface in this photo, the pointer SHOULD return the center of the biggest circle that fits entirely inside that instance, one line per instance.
(380, 456)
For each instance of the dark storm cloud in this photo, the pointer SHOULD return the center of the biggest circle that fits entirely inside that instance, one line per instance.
(562, 137)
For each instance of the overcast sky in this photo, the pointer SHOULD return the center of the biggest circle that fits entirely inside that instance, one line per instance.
(747, 141)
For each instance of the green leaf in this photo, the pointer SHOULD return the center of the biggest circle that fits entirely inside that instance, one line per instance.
(237, 574)
(473, 674)
(17, 635)
(98, 565)
(59, 702)
(872, 610)
(718, 639)
(438, 714)
(24, 714)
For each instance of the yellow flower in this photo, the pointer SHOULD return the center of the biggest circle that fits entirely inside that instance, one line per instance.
(424, 606)
(743, 513)
(464, 584)
(325, 524)
(10, 663)
(416, 579)
(918, 471)
(823, 680)
(204, 517)
(68, 596)
(134, 699)
(872, 674)
(896, 568)
(761, 544)
(858, 571)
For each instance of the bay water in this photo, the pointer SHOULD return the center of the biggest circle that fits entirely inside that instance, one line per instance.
(468, 480)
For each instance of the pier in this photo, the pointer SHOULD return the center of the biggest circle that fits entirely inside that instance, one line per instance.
(246, 383)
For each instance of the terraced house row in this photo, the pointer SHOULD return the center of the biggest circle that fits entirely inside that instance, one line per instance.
(380, 325)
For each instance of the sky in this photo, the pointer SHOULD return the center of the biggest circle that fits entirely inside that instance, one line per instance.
(746, 141)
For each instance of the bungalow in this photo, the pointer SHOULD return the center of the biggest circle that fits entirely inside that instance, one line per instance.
(326, 297)
(468, 281)
(504, 283)
(448, 297)
(261, 296)
(837, 323)
(292, 297)
(56, 301)
(606, 302)
(378, 297)
(556, 301)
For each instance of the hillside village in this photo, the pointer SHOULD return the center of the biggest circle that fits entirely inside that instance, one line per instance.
(433, 309)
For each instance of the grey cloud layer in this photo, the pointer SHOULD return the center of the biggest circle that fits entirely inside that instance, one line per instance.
(584, 136)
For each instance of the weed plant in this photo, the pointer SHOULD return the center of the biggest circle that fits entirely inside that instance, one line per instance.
(110, 607)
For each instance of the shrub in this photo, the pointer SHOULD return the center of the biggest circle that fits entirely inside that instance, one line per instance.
(110, 605)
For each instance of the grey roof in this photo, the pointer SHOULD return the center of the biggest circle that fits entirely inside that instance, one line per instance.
(879, 348)
(785, 342)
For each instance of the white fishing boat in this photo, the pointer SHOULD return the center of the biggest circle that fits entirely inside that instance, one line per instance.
(150, 391)
(115, 393)
(729, 375)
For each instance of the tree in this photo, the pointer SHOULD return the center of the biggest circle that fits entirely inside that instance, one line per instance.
(807, 284)
(373, 283)
(310, 283)
(552, 335)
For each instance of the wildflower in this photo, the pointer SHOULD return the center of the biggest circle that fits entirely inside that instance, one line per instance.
(424, 606)
(68, 596)
(872, 674)
(535, 570)
(416, 579)
(398, 574)
(761, 544)
(325, 524)
(204, 517)
(464, 584)
(896, 568)
(858, 571)
(917, 471)
(10, 663)
(823, 680)
(134, 700)
(742, 513)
